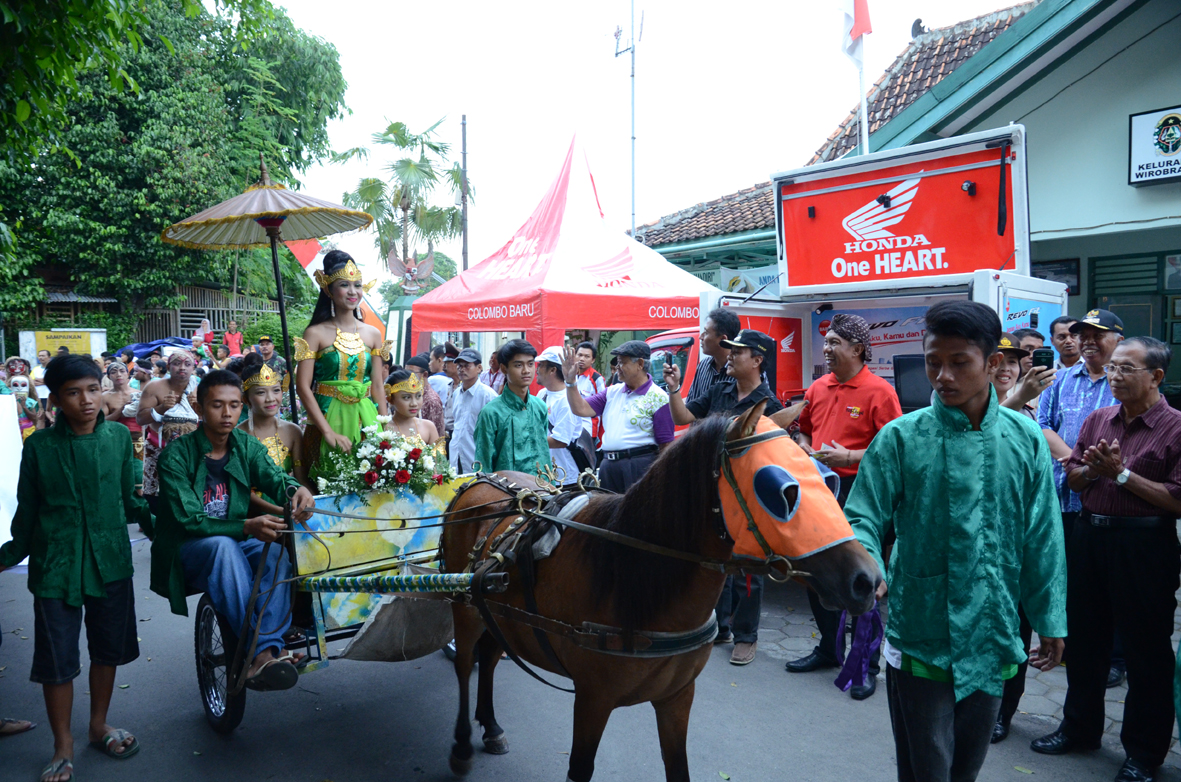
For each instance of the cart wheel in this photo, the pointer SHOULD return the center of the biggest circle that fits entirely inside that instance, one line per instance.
(214, 644)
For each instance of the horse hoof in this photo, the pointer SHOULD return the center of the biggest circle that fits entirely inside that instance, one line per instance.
(459, 766)
(496, 745)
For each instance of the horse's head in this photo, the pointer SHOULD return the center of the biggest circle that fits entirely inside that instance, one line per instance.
(776, 505)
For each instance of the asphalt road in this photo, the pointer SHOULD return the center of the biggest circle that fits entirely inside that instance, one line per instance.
(358, 721)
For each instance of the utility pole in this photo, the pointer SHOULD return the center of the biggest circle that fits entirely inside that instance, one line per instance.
(631, 48)
(463, 196)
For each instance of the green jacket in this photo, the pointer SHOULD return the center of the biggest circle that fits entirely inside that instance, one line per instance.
(979, 528)
(180, 514)
(75, 497)
(511, 434)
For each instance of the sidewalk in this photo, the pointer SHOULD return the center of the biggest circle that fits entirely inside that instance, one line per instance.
(788, 631)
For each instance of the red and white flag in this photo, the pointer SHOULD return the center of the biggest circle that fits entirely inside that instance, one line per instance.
(856, 25)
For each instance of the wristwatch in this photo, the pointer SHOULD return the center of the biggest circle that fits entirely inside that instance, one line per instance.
(1122, 478)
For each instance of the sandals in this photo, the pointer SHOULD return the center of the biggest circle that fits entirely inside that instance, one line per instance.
(57, 767)
(276, 674)
(6, 731)
(117, 736)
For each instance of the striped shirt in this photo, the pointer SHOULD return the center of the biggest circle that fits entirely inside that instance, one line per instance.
(1150, 445)
(704, 378)
(1063, 408)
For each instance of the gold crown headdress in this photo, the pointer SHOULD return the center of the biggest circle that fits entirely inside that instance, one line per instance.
(347, 272)
(265, 377)
(412, 384)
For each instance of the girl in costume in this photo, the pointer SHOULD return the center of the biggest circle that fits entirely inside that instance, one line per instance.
(283, 439)
(29, 414)
(404, 389)
(338, 380)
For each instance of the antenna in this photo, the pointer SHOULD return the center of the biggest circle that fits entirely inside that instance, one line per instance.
(631, 48)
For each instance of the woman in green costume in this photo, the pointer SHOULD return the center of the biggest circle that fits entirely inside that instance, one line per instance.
(283, 439)
(339, 382)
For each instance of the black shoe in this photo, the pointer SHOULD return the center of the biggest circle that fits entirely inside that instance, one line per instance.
(1116, 677)
(1000, 731)
(724, 638)
(813, 662)
(865, 690)
(1058, 743)
(1132, 771)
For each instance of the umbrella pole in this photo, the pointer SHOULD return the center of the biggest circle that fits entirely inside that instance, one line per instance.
(273, 233)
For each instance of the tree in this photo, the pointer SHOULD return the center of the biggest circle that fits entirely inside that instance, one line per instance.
(140, 162)
(401, 207)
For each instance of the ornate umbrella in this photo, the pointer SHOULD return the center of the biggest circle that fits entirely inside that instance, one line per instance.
(254, 219)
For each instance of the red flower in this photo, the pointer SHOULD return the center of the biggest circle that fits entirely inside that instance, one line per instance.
(439, 479)
(413, 455)
(371, 477)
(378, 460)
(385, 445)
(402, 476)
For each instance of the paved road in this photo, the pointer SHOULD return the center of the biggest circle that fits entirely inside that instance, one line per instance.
(357, 722)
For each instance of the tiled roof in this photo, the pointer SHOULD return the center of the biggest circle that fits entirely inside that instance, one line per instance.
(63, 295)
(928, 59)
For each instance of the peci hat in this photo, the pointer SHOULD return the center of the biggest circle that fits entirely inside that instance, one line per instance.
(470, 356)
(1011, 344)
(419, 362)
(1105, 320)
(552, 354)
(755, 340)
(633, 348)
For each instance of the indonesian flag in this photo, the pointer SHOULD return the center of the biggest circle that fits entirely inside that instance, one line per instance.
(856, 25)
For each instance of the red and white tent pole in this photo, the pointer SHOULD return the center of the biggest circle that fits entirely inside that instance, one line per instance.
(856, 26)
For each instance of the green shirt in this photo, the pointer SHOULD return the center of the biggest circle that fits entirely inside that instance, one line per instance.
(511, 434)
(181, 511)
(75, 497)
(979, 528)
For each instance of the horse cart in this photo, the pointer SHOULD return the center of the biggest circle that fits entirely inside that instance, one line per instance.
(365, 571)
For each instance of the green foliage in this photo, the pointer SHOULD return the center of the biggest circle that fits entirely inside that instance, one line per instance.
(120, 328)
(269, 324)
(401, 206)
(187, 138)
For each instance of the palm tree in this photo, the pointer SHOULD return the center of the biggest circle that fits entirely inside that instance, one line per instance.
(401, 207)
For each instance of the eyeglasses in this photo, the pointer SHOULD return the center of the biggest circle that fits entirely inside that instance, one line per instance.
(1121, 370)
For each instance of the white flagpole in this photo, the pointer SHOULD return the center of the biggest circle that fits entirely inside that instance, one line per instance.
(864, 102)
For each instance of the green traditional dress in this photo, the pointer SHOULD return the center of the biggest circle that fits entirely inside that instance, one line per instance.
(341, 385)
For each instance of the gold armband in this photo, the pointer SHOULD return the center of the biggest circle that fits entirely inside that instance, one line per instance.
(303, 350)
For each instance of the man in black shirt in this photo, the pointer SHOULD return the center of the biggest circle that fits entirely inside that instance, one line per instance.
(739, 605)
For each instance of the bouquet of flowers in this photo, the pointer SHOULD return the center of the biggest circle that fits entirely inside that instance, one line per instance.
(384, 462)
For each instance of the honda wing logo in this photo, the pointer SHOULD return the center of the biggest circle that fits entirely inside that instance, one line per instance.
(872, 220)
(785, 344)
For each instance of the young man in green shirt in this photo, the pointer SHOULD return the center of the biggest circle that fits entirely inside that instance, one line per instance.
(511, 433)
(968, 487)
(75, 498)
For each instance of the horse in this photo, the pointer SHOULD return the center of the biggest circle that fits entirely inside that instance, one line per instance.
(677, 506)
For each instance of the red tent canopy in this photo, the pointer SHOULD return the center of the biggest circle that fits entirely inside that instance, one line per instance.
(564, 269)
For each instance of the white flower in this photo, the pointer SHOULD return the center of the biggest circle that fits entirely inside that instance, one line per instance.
(364, 466)
(322, 485)
(388, 455)
(383, 419)
(428, 462)
(399, 455)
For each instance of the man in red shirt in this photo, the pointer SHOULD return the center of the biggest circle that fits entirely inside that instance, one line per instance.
(845, 411)
(232, 338)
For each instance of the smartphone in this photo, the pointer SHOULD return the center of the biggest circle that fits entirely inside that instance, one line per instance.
(1044, 358)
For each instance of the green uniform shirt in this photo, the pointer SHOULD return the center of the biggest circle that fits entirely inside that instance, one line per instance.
(75, 497)
(979, 528)
(511, 434)
(181, 511)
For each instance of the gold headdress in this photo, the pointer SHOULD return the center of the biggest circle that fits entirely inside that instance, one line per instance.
(347, 272)
(265, 377)
(412, 384)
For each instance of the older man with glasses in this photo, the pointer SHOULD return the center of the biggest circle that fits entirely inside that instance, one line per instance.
(1124, 562)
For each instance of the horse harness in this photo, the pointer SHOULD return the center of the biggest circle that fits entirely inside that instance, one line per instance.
(540, 515)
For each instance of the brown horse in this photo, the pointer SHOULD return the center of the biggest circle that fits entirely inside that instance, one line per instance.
(591, 579)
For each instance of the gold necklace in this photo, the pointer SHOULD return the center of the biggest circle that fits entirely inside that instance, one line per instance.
(348, 343)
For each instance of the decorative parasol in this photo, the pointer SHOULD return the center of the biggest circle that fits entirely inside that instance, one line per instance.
(254, 219)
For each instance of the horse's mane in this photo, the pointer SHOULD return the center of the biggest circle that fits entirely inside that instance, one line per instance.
(671, 505)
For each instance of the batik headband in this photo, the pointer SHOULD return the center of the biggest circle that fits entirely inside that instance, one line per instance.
(265, 377)
(853, 328)
(412, 384)
(348, 272)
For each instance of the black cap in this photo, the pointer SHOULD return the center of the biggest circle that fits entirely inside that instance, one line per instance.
(420, 362)
(1010, 343)
(470, 355)
(635, 348)
(1105, 320)
(755, 340)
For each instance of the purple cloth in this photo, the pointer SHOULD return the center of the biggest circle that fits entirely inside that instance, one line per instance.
(663, 429)
(1063, 409)
(867, 639)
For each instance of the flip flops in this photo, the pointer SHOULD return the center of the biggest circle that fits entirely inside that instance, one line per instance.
(57, 767)
(117, 736)
(276, 674)
(5, 730)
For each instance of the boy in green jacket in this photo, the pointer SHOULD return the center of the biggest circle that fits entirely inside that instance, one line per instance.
(75, 498)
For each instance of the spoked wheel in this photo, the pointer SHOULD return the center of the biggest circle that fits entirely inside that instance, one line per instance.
(214, 644)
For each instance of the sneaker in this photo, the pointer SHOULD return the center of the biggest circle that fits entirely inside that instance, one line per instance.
(744, 654)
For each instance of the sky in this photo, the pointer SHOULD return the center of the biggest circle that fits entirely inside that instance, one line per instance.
(726, 94)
